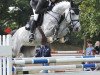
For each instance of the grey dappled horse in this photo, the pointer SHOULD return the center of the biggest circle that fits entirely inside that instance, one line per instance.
(49, 25)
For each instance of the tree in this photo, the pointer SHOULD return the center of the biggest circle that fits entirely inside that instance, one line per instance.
(16, 18)
(90, 17)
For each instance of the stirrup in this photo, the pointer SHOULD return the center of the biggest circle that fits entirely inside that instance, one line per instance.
(31, 37)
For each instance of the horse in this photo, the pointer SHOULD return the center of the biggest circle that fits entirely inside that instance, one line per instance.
(20, 39)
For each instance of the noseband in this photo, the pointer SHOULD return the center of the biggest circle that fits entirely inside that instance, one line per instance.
(72, 20)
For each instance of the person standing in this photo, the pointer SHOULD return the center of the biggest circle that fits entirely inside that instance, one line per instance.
(97, 47)
(43, 51)
(89, 49)
(89, 52)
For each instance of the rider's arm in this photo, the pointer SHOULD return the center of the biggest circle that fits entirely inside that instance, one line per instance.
(33, 3)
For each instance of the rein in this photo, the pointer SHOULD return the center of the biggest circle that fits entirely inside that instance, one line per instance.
(54, 16)
(73, 25)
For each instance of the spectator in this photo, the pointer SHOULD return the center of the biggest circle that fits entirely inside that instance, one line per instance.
(89, 52)
(97, 47)
(90, 48)
(43, 51)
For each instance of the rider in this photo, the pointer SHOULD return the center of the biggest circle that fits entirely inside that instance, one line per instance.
(42, 7)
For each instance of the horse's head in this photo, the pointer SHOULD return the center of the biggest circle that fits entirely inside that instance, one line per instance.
(72, 16)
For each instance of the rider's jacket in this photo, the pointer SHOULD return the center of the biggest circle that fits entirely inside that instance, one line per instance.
(41, 6)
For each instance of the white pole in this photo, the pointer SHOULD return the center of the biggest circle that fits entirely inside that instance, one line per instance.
(37, 68)
(8, 40)
(76, 60)
(0, 40)
(4, 65)
(0, 66)
(9, 66)
(4, 40)
(56, 67)
(56, 57)
(65, 52)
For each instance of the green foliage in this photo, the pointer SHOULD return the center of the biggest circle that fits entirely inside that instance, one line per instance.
(90, 17)
(16, 18)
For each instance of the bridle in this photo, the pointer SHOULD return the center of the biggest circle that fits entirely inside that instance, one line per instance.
(72, 20)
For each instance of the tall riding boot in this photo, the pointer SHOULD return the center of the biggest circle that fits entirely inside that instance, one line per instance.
(27, 27)
(32, 30)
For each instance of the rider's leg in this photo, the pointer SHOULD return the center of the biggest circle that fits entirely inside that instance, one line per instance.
(28, 25)
(33, 27)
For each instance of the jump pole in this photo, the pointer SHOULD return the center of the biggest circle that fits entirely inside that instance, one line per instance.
(57, 60)
(57, 67)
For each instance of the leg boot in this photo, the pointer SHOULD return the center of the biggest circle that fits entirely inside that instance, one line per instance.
(32, 30)
(31, 37)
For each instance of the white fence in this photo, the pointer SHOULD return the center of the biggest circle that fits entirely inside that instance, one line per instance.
(6, 62)
(5, 55)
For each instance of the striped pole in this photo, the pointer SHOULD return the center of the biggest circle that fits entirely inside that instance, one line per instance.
(65, 52)
(53, 60)
(57, 67)
(56, 57)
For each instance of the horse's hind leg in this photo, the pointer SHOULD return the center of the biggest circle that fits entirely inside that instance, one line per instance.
(28, 51)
